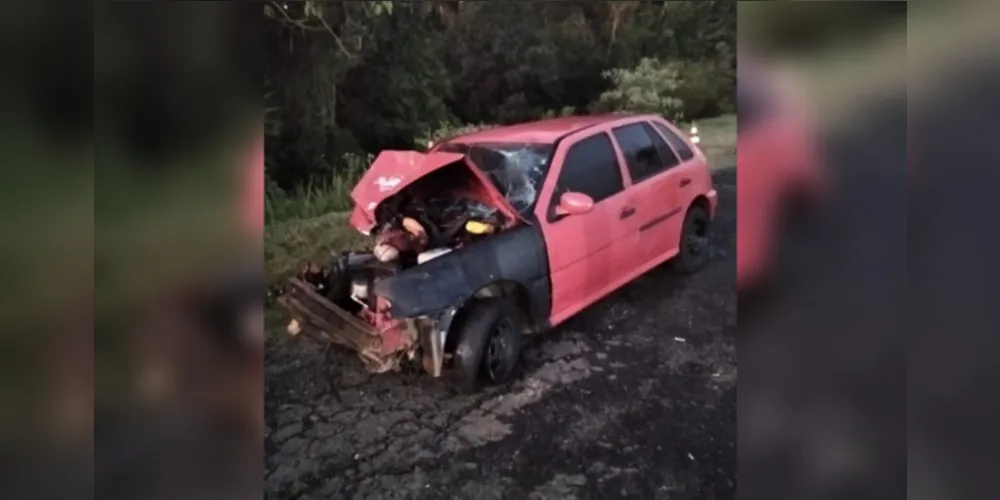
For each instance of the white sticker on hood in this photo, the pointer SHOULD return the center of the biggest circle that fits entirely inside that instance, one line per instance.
(387, 183)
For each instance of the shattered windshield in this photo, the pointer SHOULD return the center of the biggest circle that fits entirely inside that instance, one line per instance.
(516, 169)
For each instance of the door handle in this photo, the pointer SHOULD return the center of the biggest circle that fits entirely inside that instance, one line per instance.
(627, 212)
(685, 182)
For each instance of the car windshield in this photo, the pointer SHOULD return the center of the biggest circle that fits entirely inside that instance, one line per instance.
(516, 169)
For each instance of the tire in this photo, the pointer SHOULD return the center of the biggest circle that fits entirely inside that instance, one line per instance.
(694, 245)
(488, 345)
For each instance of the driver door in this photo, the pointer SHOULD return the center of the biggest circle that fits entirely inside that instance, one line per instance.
(583, 249)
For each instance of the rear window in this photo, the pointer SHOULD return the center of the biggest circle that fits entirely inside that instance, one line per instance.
(641, 155)
(680, 145)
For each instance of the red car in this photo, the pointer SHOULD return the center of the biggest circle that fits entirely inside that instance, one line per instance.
(505, 232)
(779, 176)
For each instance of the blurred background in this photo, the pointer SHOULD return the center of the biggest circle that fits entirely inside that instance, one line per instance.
(177, 250)
(46, 334)
(861, 365)
(822, 404)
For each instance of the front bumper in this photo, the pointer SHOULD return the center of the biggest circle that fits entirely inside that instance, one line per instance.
(321, 319)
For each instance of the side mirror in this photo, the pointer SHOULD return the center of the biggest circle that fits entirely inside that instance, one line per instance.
(574, 204)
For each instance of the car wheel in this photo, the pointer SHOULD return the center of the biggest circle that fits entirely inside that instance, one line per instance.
(694, 244)
(488, 346)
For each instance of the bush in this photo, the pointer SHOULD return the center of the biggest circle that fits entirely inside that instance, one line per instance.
(557, 113)
(706, 89)
(316, 198)
(650, 87)
(680, 91)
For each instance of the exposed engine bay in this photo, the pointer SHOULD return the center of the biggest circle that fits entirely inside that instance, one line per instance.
(436, 214)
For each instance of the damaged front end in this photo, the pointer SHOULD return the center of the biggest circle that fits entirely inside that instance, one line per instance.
(335, 304)
(416, 208)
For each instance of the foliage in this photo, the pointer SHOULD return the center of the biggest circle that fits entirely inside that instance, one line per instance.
(317, 197)
(650, 87)
(675, 89)
(353, 78)
(358, 77)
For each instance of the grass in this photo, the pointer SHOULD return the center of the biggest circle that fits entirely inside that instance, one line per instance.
(718, 140)
(317, 198)
(308, 226)
(290, 244)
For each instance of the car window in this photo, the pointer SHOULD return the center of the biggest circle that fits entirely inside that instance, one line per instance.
(516, 169)
(639, 150)
(670, 158)
(679, 145)
(591, 167)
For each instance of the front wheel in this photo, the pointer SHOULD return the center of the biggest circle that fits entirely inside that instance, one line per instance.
(694, 244)
(488, 346)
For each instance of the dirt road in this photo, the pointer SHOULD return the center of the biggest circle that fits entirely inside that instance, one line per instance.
(636, 398)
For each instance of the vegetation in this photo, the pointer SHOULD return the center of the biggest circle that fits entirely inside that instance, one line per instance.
(345, 80)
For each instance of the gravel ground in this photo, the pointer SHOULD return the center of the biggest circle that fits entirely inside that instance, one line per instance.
(635, 397)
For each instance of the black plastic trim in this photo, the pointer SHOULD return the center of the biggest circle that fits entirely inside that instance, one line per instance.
(517, 255)
(659, 219)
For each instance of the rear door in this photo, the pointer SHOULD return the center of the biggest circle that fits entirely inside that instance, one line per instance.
(583, 250)
(656, 180)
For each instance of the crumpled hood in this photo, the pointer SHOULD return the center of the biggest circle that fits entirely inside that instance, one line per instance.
(393, 171)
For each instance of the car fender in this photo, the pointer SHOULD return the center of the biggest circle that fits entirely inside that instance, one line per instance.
(517, 255)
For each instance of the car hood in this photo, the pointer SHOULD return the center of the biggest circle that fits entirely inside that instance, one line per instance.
(393, 171)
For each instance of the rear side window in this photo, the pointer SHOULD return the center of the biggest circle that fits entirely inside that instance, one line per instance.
(640, 152)
(670, 159)
(679, 145)
(591, 167)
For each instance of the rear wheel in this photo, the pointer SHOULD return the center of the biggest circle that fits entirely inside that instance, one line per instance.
(694, 245)
(488, 346)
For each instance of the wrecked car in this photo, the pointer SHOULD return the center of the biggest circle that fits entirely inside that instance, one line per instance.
(497, 234)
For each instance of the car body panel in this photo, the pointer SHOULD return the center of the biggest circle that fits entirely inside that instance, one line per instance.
(516, 255)
(394, 171)
(664, 198)
(593, 254)
(543, 131)
(585, 252)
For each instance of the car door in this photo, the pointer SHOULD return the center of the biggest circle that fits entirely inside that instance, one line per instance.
(690, 177)
(652, 167)
(583, 249)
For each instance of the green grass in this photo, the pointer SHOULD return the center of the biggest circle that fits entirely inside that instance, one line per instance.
(290, 244)
(317, 198)
(718, 140)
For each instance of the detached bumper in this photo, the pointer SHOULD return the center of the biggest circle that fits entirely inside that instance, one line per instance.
(317, 317)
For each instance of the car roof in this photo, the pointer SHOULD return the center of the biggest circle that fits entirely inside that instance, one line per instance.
(539, 132)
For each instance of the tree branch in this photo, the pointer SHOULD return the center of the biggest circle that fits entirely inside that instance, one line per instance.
(302, 25)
